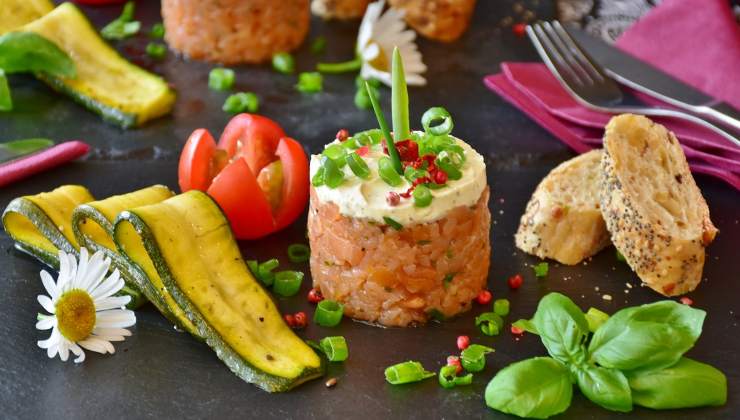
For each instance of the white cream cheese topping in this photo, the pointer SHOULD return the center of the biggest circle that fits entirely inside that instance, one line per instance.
(366, 199)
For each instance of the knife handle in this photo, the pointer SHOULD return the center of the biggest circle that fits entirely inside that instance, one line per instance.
(721, 113)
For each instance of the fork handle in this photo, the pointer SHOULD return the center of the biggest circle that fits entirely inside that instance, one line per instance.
(722, 113)
(662, 112)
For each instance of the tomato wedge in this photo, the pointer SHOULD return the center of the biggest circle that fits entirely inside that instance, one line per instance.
(252, 136)
(257, 202)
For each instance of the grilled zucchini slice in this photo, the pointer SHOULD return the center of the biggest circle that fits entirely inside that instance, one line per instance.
(106, 83)
(92, 224)
(189, 242)
(16, 13)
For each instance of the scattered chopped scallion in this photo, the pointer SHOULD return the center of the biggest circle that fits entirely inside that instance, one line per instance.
(406, 372)
(501, 307)
(241, 102)
(388, 173)
(422, 196)
(156, 50)
(157, 31)
(287, 283)
(434, 115)
(473, 358)
(328, 313)
(333, 176)
(264, 271)
(448, 377)
(358, 166)
(490, 323)
(283, 62)
(317, 179)
(298, 253)
(310, 82)
(221, 79)
(123, 26)
(541, 269)
(335, 348)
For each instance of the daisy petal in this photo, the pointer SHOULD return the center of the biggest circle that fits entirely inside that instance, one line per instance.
(78, 352)
(92, 344)
(115, 318)
(46, 303)
(49, 285)
(52, 341)
(112, 331)
(64, 350)
(111, 302)
(109, 287)
(46, 323)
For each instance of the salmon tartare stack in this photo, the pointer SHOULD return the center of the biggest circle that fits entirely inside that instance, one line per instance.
(399, 230)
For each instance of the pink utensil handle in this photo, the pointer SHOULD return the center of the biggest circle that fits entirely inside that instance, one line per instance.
(50, 158)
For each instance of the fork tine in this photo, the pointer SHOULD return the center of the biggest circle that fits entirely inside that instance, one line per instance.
(551, 56)
(567, 53)
(594, 69)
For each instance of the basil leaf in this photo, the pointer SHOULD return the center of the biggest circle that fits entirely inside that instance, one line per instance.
(562, 328)
(526, 325)
(606, 387)
(535, 388)
(652, 336)
(686, 384)
(30, 52)
(6, 101)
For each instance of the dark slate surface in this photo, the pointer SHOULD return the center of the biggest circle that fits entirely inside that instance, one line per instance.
(159, 373)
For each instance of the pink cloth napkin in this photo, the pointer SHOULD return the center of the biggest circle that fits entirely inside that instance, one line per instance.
(531, 88)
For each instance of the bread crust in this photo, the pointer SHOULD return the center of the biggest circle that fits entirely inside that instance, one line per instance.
(652, 206)
(562, 220)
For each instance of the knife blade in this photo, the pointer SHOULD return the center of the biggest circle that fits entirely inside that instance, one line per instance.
(15, 149)
(649, 80)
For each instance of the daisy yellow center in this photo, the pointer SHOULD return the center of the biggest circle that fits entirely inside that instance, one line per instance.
(381, 61)
(75, 312)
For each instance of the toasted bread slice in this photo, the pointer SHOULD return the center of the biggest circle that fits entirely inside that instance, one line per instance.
(653, 209)
(563, 220)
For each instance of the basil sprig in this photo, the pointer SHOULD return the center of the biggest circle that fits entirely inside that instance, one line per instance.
(633, 358)
(29, 52)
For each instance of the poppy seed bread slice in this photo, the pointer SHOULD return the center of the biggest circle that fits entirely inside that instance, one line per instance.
(653, 209)
(562, 220)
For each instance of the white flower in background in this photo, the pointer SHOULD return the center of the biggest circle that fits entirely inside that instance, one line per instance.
(84, 312)
(377, 37)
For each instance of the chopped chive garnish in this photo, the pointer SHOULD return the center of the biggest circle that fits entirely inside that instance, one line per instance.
(392, 152)
(298, 253)
(157, 31)
(264, 271)
(434, 115)
(422, 196)
(336, 152)
(333, 176)
(156, 50)
(388, 173)
(392, 223)
(310, 82)
(283, 62)
(541, 269)
(254, 267)
(241, 102)
(595, 319)
(352, 65)
(318, 45)
(221, 79)
(287, 283)
(123, 26)
(335, 348)
(448, 377)
(358, 166)
(317, 179)
(490, 323)
(406, 372)
(473, 358)
(448, 279)
(453, 173)
(501, 307)
(328, 313)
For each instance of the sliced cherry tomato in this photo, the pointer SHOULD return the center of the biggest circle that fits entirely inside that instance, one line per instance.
(236, 191)
(194, 170)
(253, 137)
(295, 182)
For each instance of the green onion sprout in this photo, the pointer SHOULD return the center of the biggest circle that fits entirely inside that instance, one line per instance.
(406, 372)
(328, 313)
(335, 348)
(298, 253)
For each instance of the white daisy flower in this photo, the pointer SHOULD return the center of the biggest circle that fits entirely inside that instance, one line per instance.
(377, 37)
(83, 311)
(379, 34)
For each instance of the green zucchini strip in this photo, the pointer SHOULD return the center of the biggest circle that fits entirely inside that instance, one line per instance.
(40, 224)
(188, 242)
(92, 224)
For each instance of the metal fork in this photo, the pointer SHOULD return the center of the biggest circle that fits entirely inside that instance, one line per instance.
(588, 83)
